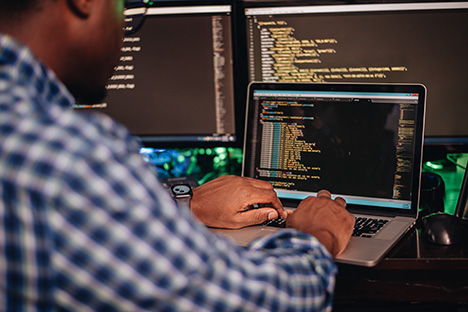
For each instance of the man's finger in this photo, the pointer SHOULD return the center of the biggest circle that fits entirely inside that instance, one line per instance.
(257, 216)
(324, 193)
(340, 201)
(265, 197)
(277, 206)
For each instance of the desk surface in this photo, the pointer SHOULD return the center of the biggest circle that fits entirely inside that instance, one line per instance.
(413, 272)
(413, 252)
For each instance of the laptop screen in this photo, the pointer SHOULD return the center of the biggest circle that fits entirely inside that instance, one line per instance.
(361, 142)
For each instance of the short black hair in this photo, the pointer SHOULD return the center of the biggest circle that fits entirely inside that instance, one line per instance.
(18, 5)
(12, 10)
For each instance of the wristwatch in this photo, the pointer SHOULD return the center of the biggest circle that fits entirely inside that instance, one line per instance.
(182, 193)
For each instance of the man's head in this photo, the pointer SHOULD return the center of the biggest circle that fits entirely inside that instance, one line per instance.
(79, 39)
(17, 7)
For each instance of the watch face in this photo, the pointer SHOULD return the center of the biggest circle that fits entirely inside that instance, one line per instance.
(181, 189)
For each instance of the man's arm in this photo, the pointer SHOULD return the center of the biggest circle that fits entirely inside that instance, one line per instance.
(121, 243)
(159, 258)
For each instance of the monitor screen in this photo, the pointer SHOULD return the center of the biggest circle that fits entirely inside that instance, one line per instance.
(385, 42)
(174, 85)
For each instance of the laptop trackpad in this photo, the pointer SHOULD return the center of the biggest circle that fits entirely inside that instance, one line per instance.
(392, 230)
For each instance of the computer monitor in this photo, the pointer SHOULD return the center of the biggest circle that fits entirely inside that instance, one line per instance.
(385, 42)
(174, 85)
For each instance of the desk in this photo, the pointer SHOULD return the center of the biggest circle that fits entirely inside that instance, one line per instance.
(414, 273)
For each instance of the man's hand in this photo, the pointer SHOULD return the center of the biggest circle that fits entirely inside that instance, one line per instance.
(226, 202)
(326, 219)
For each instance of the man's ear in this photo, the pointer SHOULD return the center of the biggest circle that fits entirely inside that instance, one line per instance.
(82, 8)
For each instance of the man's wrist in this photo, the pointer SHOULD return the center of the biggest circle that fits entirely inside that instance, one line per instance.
(327, 239)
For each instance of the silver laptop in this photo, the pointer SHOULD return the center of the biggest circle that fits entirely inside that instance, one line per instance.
(362, 142)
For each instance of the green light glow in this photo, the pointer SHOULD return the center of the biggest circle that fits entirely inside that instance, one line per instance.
(434, 165)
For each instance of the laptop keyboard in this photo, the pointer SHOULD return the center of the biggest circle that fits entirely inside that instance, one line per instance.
(368, 227)
(279, 222)
(364, 227)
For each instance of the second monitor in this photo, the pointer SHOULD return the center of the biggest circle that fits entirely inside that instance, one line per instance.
(381, 42)
(174, 85)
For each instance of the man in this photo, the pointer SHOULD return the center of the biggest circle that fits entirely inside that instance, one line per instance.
(85, 224)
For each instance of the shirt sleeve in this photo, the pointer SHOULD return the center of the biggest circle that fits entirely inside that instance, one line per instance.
(122, 244)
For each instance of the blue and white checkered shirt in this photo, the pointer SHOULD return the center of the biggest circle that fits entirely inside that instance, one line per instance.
(85, 225)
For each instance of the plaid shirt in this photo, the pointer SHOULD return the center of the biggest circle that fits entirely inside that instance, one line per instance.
(85, 225)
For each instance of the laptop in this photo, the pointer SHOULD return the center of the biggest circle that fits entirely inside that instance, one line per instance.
(362, 142)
